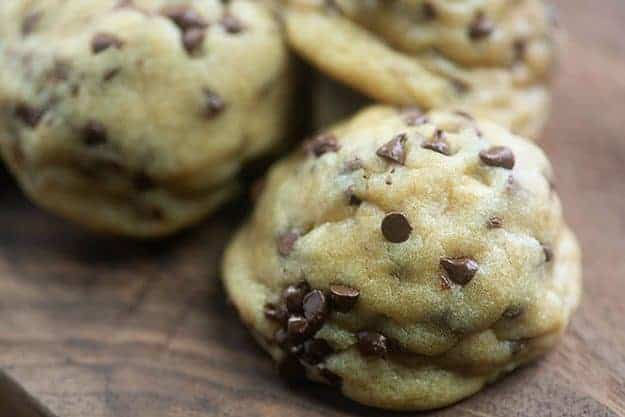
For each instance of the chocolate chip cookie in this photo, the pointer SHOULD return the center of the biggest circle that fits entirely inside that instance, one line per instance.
(407, 259)
(489, 57)
(135, 116)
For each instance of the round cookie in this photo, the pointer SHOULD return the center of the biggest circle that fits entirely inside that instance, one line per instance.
(488, 57)
(407, 259)
(135, 117)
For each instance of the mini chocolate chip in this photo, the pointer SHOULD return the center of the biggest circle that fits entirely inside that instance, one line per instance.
(464, 114)
(214, 104)
(193, 38)
(548, 251)
(184, 17)
(30, 116)
(429, 11)
(460, 86)
(321, 144)
(231, 24)
(297, 328)
(498, 156)
(291, 370)
(315, 307)
(439, 146)
(330, 377)
(513, 312)
(276, 313)
(481, 27)
(495, 222)
(372, 344)
(520, 49)
(286, 242)
(94, 133)
(352, 198)
(30, 21)
(294, 297)
(459, 270)
(102, 41)
(395, 149)
(396, 228)
(316, 350)
(343, 298)
(110, 74)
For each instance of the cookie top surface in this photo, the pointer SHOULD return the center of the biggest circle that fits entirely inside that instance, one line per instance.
(492, 57)
(437, 242)
(181, 93)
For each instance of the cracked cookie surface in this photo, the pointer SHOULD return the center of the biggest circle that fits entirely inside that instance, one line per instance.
(489, 57)
(131, 116)
(407, 258)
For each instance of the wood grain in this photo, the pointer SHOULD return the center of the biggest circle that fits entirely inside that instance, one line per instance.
(95, 327)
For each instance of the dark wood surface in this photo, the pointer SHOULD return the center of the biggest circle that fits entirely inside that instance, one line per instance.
(96, 327)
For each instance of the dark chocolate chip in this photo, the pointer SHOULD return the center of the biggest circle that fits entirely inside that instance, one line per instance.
(30, 22)
(343, 297)
(291, 370)
(352, 198)
(231, 24)
(213, 104)
(321, 144)
(297, 328)
(330, 377)
(498, 156)
(294, 297)
(184, 17)
(520, 49)
(513, 312)
(192, 39)
(396, 228)
(315, 307)
(459, 270)
(464, 114)
(495, 222)
(460, 86)
(316, 350)
(481, 27)
(429, 11)
(94, 133)
(286, 242)
(394, 150)
(372, 344)
(110, 74)
(439, 146)
(30, 116)
(102, 41)
(276, 313)
(548, 251)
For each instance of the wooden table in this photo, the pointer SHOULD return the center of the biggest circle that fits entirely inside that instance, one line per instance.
(94, 327)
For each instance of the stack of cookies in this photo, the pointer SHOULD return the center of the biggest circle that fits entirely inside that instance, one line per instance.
(408, 254)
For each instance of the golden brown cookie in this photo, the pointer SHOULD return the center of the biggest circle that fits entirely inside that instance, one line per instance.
(407, 259)
(135, 117)
(488, 57)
